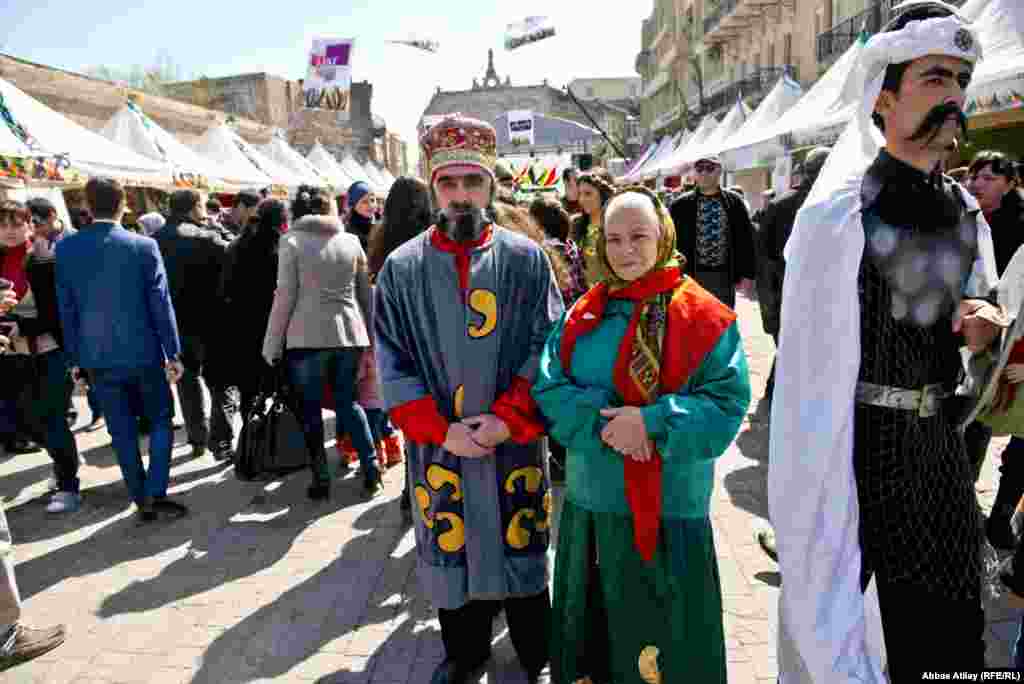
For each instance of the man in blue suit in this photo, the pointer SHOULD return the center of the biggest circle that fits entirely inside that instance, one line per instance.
(119, 325)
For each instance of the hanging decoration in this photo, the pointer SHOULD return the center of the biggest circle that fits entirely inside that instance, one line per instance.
(529, 30)
(985, 105)
(534, 177)
(42, 168)
(419, 43)
(19, 131)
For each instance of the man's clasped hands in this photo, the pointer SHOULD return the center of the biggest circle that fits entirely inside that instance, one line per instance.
(478, 436)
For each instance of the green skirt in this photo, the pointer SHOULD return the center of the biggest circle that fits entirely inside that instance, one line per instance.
(611, 607)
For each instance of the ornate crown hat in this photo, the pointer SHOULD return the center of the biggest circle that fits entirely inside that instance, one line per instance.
(459, 141)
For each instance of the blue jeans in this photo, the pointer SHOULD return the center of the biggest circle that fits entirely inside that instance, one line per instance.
(378, 421)
(309, 369)
(125, 395)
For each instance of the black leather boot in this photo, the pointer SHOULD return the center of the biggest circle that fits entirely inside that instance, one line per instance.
(320, 489)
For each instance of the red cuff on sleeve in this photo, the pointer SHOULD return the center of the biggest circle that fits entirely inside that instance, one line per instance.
(420, 421)
(520, 412)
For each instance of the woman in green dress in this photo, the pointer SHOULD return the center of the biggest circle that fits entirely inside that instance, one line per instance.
(645, 383)
(595, 189)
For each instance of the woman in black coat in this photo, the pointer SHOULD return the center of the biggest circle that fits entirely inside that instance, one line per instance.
(247, 292)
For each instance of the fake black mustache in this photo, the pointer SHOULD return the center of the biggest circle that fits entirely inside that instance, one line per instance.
(936, 118)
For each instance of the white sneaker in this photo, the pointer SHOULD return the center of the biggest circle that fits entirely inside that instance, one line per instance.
(64, 502)
(51, 484)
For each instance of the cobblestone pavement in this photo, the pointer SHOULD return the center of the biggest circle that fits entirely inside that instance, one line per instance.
(258, 584)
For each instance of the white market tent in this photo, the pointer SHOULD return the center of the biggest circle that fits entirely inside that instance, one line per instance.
(679, 160)
(218, 143)
(388, 176)
(223, 144)
(131, 128)
(743, 149)
(663, 165)
(279, 151)
(377, 181)
(641, 171)
(1000, 26)
(52, 133)
(638, 162)
(330, 168)
(354, 169)
(732, 122)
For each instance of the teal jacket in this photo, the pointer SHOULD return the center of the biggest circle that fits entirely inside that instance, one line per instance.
(691, 429)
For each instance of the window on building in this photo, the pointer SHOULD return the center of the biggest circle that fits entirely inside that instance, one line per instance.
(787, 49)
(844, 9)
(770, 62)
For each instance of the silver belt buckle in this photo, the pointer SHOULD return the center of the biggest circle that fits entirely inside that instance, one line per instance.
(931, 395)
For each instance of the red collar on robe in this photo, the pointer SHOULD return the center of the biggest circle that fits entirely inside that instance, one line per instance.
(461, 250)
(12, 267)
(695, 322)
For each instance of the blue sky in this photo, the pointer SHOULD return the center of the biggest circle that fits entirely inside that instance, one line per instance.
(220, 38)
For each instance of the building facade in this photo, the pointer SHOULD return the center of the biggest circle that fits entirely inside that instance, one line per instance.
(698, 56)
(491, 97)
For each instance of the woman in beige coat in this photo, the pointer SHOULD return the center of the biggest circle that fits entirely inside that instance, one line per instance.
(319, 324)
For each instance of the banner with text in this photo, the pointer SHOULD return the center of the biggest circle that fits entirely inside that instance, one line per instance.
(520, 127)
(328, 81)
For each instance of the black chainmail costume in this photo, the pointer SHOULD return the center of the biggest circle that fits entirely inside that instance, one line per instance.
(918, 520)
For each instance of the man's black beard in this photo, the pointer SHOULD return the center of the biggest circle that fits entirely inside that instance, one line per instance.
(462, 222)
(936, 118)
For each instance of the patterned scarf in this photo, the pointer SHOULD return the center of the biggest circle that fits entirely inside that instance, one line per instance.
(652, 306)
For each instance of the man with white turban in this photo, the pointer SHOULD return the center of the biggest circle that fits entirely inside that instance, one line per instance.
(888, 268)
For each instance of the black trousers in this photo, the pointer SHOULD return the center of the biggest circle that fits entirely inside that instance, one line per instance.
(925, 632)
(467, 631)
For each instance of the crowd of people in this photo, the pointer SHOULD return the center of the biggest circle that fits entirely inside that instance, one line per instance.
(571, 368)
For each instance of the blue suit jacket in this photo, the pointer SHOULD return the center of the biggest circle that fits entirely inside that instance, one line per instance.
(115, 308)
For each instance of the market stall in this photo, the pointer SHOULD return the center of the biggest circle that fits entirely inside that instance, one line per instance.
(37, 143)
(243, 161)
(281, 152)
(744, 149)
(679, 160)
(325, 162)
(130, 127)
(995, 98)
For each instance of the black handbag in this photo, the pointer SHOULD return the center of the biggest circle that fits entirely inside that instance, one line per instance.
(272, 442)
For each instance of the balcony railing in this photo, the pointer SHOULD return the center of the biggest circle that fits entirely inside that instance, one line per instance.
(840, 37)
(724, 8)
(753, 84)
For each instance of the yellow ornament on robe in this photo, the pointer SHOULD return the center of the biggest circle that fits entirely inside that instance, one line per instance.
(648, 664)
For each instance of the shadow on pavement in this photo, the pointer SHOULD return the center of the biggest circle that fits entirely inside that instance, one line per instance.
(748, 486)
(17, 482)
(238, 548)
(122, 540)
(321, 610)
